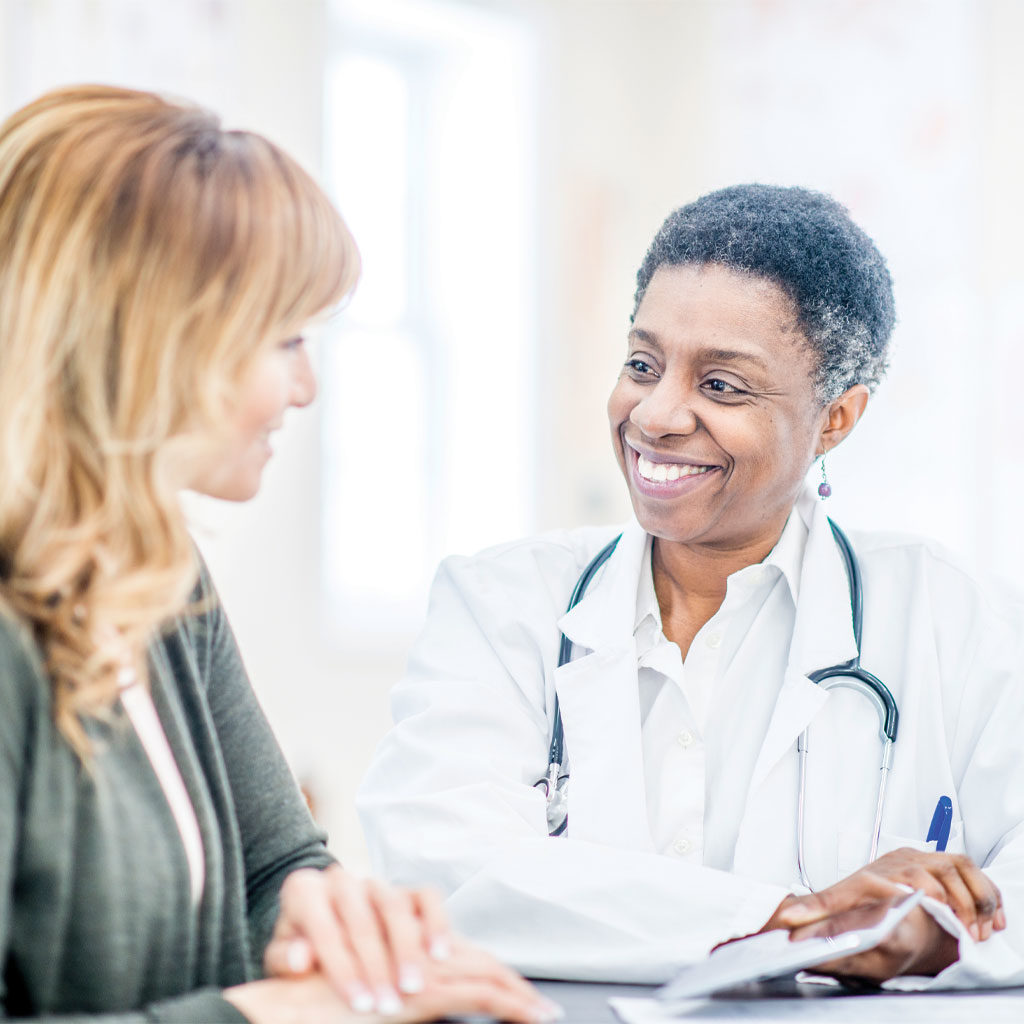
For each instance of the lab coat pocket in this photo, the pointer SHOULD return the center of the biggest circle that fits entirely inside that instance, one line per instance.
(854, 848)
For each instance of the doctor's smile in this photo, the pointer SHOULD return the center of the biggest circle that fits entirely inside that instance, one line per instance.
(663, 476)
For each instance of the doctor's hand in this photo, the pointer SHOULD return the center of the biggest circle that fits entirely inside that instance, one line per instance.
(951, 878)
(918, 945)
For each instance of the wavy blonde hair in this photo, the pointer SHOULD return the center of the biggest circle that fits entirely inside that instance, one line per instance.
(146, 255)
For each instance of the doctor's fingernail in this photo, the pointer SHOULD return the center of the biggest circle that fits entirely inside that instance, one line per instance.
(797, 915)
(975, 931)
(388, 1002)
(410, 979)
(1000, 919)
(440, 947)
(360, 999)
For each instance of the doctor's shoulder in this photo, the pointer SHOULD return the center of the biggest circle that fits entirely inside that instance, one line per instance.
(541, 570)
(520, 589)
(909, 577)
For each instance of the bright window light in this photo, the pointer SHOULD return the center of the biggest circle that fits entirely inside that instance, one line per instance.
(427, 387)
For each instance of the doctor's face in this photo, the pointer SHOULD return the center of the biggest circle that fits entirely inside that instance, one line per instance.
(714, 417)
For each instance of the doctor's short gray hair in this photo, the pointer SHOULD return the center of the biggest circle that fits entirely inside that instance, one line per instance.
(806, 243)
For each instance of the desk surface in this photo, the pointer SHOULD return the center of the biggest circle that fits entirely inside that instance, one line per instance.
(587, 1003)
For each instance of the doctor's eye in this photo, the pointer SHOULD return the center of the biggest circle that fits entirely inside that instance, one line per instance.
(293, 344)
(718, 386)
(639, 370)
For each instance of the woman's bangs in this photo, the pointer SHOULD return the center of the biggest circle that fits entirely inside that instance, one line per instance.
(314, 261)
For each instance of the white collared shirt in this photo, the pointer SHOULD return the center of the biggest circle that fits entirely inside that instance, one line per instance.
(682, 702)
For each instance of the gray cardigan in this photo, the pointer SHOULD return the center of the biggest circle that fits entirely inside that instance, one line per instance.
(95, 917)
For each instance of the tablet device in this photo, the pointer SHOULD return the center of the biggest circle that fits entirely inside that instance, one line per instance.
(773, 955)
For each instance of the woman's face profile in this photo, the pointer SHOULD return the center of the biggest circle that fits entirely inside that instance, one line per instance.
(714, 417)
(280, 376)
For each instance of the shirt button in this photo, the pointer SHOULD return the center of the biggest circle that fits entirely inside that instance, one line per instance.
(682, 847)
(685, 739)
(714, 640)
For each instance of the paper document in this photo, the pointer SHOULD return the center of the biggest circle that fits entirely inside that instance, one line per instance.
(774, 955)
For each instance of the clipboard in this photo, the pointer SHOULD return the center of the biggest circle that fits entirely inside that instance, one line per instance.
(773, 955)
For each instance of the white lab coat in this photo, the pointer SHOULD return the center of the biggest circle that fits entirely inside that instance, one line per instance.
(450, 799)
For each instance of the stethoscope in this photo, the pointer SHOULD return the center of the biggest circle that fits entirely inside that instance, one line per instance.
(849, 674)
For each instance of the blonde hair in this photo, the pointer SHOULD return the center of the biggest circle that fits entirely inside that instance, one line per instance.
(145, 257)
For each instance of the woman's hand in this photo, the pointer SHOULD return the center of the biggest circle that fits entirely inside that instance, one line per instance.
(952, 878)
(457, 992)
(369, 939)
(472, 983)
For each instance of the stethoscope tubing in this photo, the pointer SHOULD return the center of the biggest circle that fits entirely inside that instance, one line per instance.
(849, 675)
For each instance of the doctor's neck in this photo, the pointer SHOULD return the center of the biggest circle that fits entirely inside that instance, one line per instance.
(690, 578)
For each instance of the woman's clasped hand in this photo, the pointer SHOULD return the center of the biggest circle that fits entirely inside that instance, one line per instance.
(919, 944)
(346, 943)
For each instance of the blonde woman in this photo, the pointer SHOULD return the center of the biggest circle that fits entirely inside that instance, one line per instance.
(156, 858)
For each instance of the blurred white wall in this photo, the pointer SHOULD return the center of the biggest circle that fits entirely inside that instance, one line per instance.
(907, 110)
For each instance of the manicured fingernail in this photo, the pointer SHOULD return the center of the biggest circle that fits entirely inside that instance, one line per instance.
(410, 979)
(549, 1012)
(388, 1002)
(1000, 919)
(360, 999)
(440, 947)
(975, 931)
(297, 957)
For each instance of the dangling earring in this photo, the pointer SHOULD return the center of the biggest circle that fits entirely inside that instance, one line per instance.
(824, 490)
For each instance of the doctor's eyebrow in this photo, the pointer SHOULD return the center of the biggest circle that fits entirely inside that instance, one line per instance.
(645, 337)
(715, 355)
(726, 355)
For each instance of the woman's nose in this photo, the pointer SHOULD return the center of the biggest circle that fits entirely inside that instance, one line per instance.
(303, 380)
(665, 410)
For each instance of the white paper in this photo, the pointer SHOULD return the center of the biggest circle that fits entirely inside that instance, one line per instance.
(880, 1009)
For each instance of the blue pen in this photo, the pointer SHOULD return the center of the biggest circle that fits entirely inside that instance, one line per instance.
(942, 819)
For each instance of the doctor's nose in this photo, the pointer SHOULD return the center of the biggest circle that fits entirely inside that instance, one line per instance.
(664, 411)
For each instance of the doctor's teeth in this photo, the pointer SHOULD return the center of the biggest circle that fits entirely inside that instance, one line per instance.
(660, 472)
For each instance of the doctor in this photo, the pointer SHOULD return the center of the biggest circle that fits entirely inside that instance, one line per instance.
(760, 329)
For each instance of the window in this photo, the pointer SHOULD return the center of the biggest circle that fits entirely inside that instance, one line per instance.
(428, 407)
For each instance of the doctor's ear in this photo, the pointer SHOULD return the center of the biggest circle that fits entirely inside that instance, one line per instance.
(841, 416)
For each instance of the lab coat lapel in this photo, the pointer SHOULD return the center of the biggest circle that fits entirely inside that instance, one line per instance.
(599, 697)
(822, 636)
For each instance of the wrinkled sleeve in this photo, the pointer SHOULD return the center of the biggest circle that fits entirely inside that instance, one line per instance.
(450, 800)
(277, 832)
